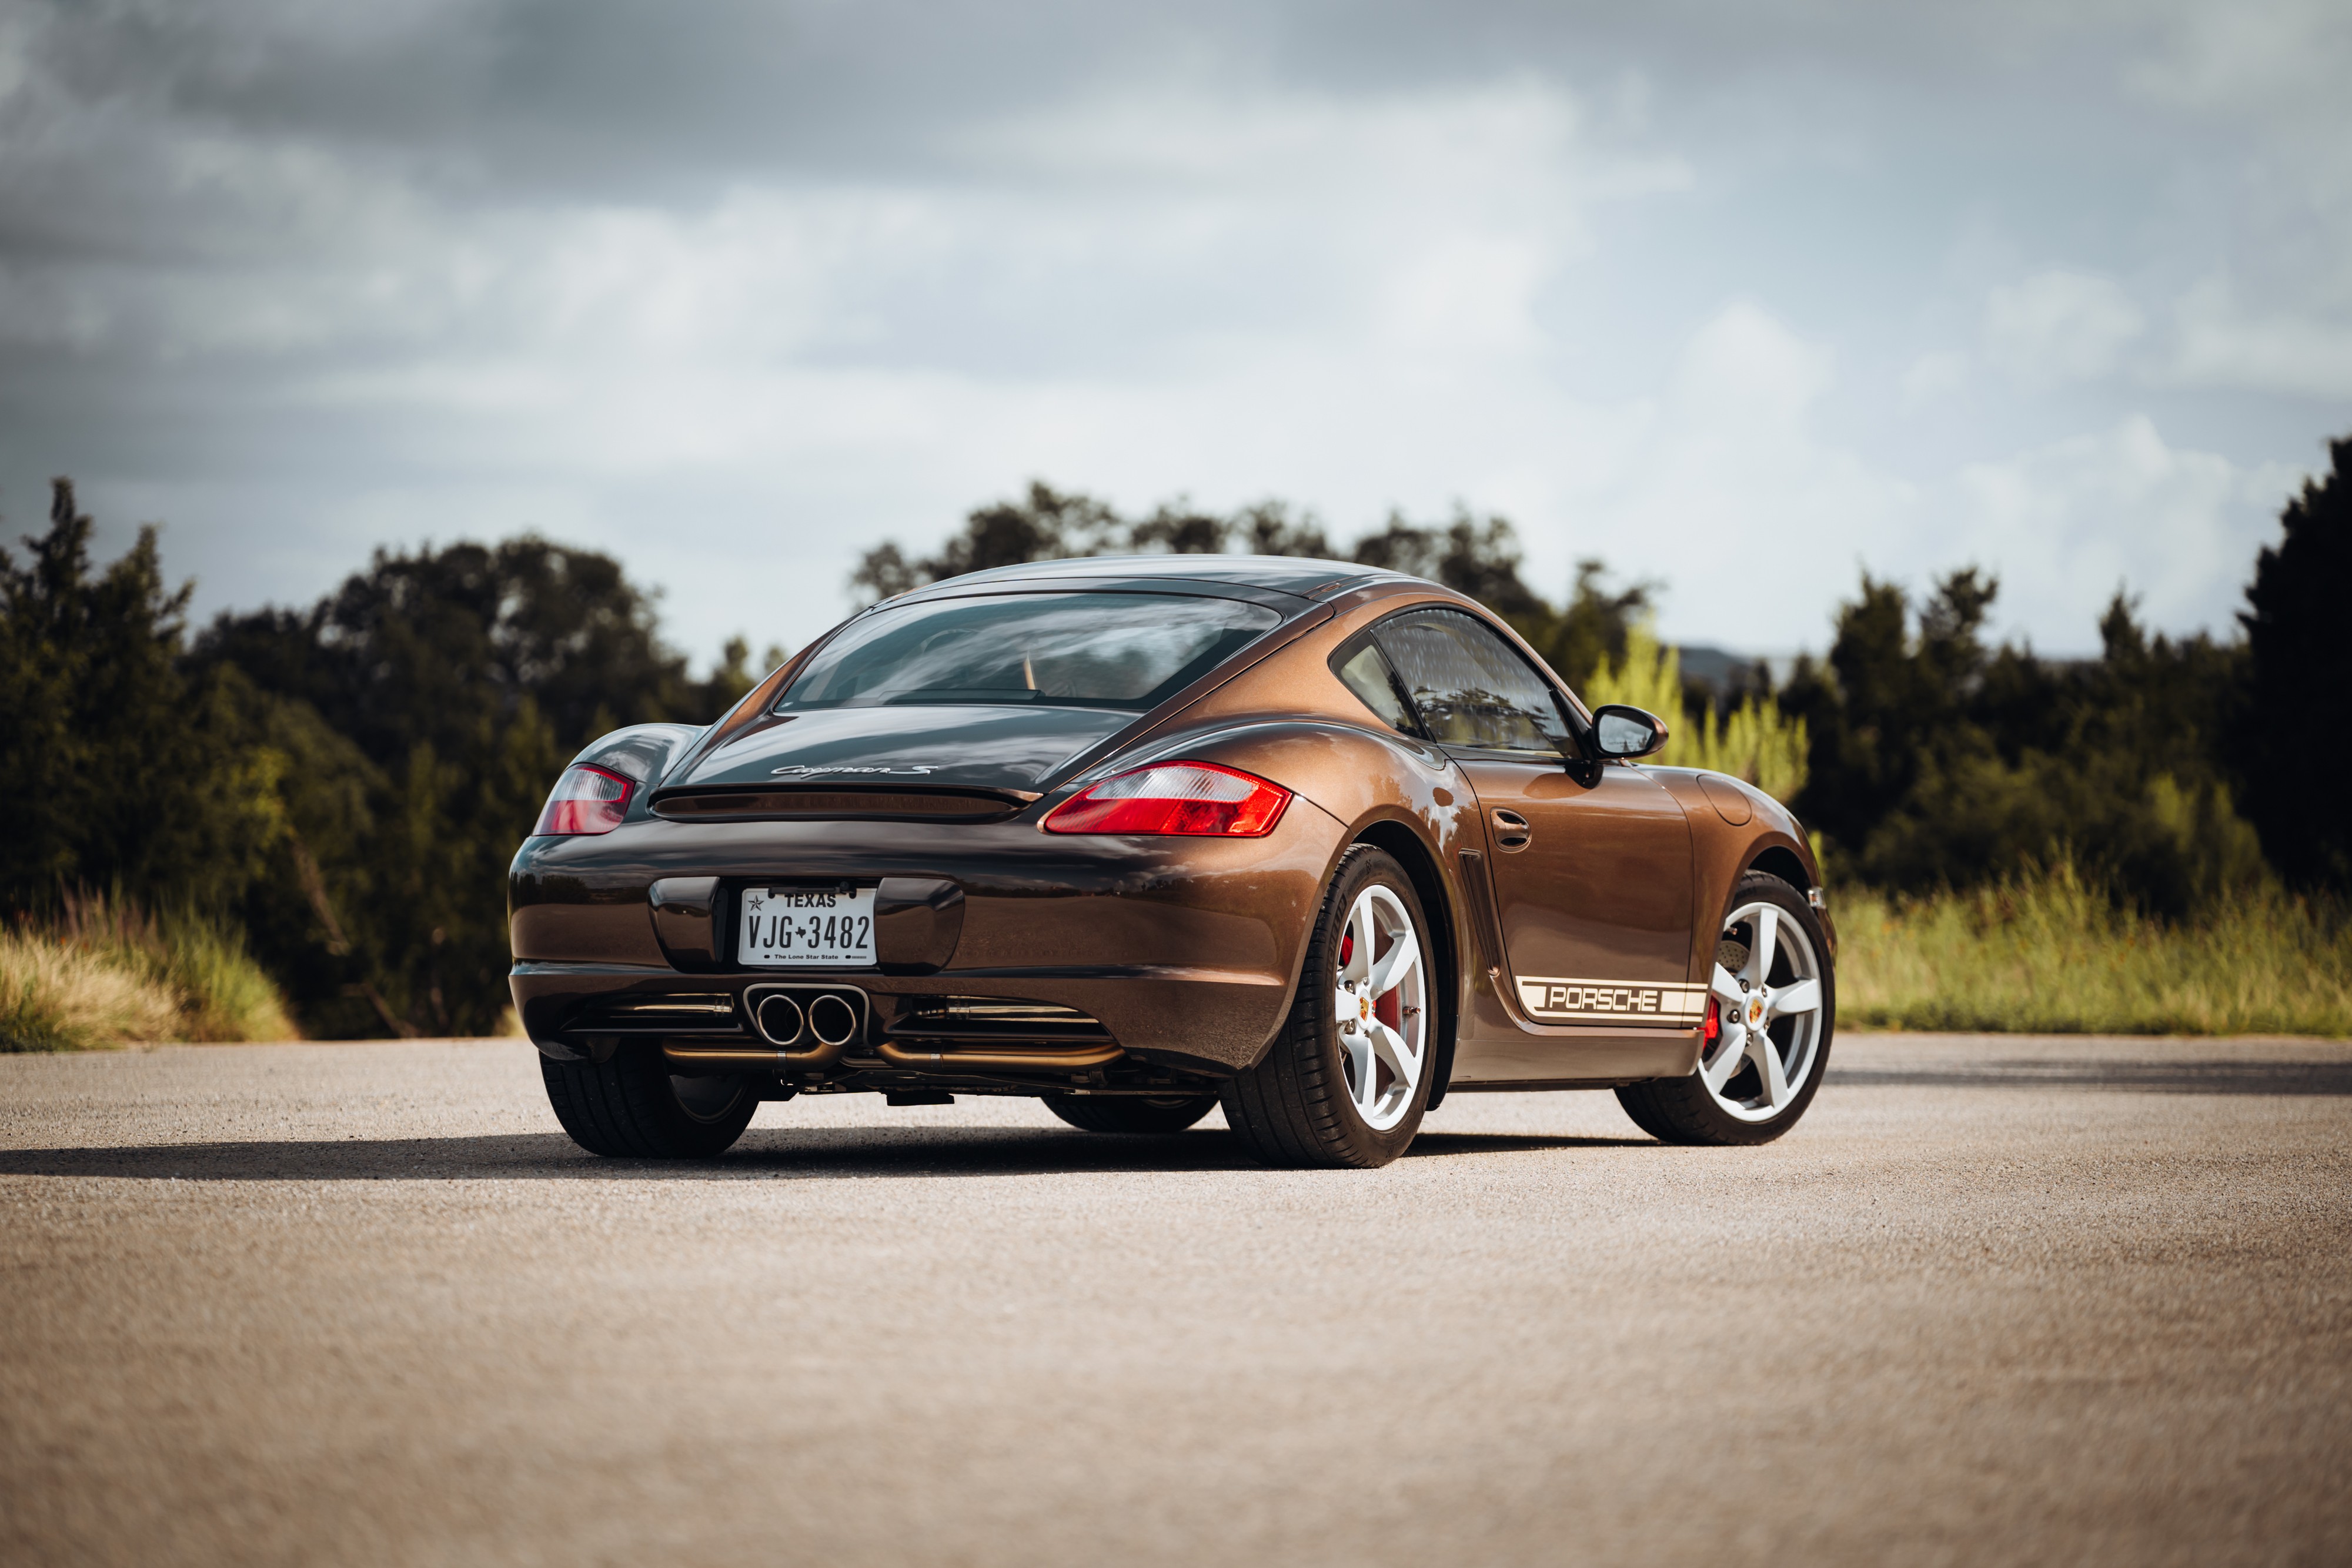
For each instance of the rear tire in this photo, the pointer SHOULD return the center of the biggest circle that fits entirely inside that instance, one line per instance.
(1322, 1097)
(1685, 1110)
(632, 1107)
(1130, 1112)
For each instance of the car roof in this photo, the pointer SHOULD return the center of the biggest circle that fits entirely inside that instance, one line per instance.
(1301, 575)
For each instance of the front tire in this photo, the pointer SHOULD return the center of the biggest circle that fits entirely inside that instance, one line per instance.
(1147, 1113)
(633, 1107)
(1774, 989)
(1347, 1080)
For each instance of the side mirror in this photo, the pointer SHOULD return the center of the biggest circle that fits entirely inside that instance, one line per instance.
(1621, 731)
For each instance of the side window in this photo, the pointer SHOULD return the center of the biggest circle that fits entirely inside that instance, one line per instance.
(1471, 688)
(1366, 673)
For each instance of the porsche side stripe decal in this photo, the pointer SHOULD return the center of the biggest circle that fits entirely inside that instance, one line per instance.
(1610, 1001)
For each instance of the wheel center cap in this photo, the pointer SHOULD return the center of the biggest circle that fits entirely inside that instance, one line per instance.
(1363, 1007)
(1755, 1009)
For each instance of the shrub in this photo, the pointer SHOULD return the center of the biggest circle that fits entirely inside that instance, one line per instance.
(61, 995)
(1754, 741)
(104, 973)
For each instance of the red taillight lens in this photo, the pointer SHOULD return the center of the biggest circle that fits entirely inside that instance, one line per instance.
(584, 801)
(1197, 799)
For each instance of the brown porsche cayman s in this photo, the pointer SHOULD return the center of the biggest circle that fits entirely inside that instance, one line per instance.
(1142, 836)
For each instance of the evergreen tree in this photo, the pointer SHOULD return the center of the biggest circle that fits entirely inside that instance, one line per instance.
(1937, 761)
(124, 776)
(2293, 735)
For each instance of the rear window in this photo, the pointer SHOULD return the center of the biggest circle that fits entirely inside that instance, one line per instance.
(1055, 650)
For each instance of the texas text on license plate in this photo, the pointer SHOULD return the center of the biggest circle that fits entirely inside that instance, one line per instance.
(818, 927)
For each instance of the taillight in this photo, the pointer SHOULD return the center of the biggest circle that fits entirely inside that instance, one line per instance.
(584, 801)
(1196, 799)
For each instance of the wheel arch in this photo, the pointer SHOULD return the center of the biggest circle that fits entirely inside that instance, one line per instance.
(1406, 847)
(1779, 859)
(1370, 788)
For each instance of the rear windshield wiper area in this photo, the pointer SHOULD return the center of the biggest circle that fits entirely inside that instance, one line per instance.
(954, 698)
(998, 698)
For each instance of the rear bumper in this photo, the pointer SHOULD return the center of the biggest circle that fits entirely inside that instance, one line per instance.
(1197, 1020)
(1186, 950)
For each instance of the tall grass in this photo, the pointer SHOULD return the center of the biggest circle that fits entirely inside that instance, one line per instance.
(2044, 951)
(1754, 741)
(105, 973)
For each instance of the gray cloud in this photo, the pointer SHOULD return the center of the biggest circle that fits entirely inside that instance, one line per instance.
(1735, 295)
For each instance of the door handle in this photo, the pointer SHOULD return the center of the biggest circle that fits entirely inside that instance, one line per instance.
(1512, 832)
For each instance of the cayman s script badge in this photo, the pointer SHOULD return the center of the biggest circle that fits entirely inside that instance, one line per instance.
(804, 770)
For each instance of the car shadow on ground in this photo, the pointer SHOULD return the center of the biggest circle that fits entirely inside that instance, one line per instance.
(2207, 1077)
(842, 1153)
(766, 1154)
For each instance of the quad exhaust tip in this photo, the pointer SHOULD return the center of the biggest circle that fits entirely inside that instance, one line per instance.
(832, 1019)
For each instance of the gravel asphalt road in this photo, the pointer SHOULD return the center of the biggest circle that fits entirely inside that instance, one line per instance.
(1997, 1301)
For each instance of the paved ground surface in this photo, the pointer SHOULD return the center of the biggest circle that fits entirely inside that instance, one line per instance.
(1997, 1301)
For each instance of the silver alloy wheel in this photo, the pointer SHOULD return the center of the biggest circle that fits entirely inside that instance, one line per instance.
(1380, 1001)
(1770, 1007)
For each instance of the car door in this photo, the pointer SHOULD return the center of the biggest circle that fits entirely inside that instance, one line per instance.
(1591, 859)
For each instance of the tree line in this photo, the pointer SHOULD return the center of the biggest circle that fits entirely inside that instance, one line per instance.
(347, 781)
(1479, 556)
(2168, 769)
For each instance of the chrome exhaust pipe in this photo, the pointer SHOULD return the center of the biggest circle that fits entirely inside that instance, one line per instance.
(778, 1019)
(832, 1019)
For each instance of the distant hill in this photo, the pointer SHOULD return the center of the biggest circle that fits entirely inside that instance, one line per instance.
(1720, 677)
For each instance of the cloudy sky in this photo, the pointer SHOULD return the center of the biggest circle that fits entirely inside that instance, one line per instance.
(1741, 295)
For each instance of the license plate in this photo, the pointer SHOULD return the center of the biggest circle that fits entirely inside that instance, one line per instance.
(807, 927)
